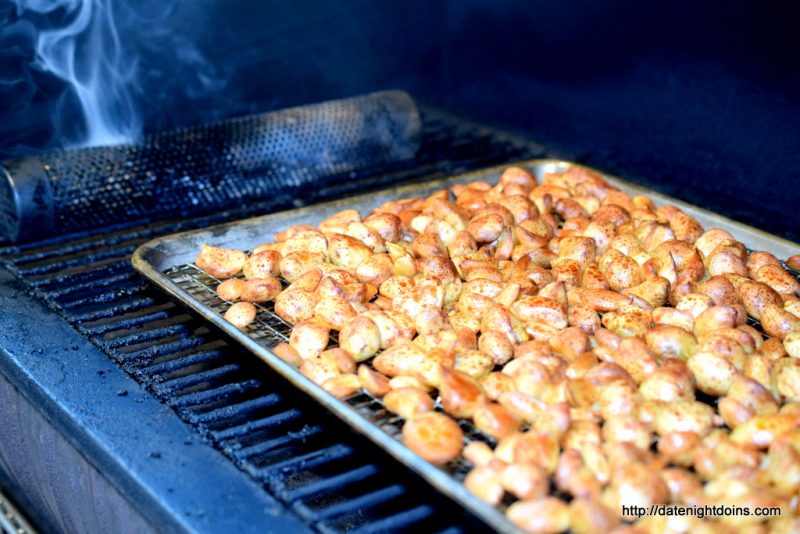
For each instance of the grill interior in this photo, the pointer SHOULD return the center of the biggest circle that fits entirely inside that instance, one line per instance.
(331, 478)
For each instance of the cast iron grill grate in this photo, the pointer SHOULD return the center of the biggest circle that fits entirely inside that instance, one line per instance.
(331, 478)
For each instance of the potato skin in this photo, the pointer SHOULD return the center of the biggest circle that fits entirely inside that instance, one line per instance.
(408, 402)
(309, 339)
(547, 514)
(375, 270)
(460, 393)
(295, 305)
(220, 262)
(792, 344)
(434, 436)
(347, 252)
(361, 338)
(342, 386)
(231, 289)
(495, 420)
(265, 264)
(374, 382)
(261, 289)
(287, 353)
(318, 370)
(294, 265)
(241, 314)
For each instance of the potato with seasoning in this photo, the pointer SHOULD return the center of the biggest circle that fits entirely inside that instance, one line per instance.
(361, 338)
(460, 393)
(375, 269)
(408, 401)
(231, 289)
(485, 482)
(295, 305)
(474, 363)
(309, 339)
(683, 416)
(793, 262)
(342, 386)
(265, 264)
(296, 264)
(589, 516)
(261, 289)
(406, 358)
(373, 381)
(241, 314)
(287, 353)
(434, 436)
(495, 420)
(347, 252)
(333, 312)
(220, 262)
(540, 516)
(409, 381)
(387, 225)
(318, 370)
(307, 240)
(497, 345)
(344, 362)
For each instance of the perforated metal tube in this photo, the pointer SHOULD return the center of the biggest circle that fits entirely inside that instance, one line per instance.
(205, 168)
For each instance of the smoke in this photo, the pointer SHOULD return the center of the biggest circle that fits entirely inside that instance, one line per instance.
(76, 73)
(83, 49)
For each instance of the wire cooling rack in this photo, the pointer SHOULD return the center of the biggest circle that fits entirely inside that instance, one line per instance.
(269, 329)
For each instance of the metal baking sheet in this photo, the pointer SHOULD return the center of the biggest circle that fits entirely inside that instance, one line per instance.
(167, 261)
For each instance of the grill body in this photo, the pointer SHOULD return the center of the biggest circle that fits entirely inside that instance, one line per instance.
(177, 427)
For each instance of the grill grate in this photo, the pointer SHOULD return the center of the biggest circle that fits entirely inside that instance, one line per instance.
(11, 520)
(298, 452)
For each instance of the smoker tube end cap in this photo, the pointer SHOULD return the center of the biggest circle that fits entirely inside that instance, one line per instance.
(26, 200)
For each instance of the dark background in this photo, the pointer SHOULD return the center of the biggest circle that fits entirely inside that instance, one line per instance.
(697, 99)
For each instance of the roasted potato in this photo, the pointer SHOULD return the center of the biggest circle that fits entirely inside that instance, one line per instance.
(361, 338)
(231, 289)
(434, 436)
(241, 314)
(220, 262)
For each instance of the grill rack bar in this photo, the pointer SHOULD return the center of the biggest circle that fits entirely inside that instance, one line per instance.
(11, 520)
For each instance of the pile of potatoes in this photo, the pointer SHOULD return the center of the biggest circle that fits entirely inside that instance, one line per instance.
(574, 325)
